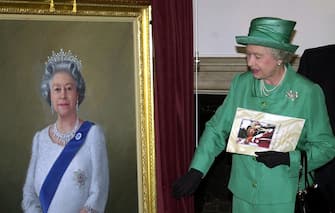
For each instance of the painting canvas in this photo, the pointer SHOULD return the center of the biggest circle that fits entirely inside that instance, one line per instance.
(114, 49)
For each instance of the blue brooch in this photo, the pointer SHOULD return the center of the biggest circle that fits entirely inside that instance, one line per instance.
(78, 136)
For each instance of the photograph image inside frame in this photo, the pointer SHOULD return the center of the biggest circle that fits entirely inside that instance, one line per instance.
(255, 133)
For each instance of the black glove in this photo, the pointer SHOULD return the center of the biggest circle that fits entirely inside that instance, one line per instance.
(273, 158)
(187, 184)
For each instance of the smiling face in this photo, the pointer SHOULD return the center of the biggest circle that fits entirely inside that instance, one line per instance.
(63, 94)
(263, 64)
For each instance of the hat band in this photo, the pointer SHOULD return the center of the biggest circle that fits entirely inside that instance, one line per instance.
(265, 32)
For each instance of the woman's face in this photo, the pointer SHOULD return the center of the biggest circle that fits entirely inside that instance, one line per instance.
(251, 131)
(63, 93)
(263, 64)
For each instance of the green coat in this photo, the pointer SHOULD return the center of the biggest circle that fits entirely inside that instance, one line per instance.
(250, 180)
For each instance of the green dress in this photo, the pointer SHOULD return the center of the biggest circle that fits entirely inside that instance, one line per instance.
(252, 181)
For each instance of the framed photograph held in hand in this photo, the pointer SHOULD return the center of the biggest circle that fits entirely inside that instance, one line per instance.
(255, 131)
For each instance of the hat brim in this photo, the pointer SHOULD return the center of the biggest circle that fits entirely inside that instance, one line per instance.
(245, 40)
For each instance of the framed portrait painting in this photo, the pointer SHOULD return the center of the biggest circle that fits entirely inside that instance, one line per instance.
(112, 40)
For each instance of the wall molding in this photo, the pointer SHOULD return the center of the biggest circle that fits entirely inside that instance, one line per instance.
(213, 75)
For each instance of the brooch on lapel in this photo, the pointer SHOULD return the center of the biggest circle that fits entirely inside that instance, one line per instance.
(292, 95)
(80, 177)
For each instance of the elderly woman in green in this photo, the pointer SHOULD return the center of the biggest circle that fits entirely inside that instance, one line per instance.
(268, 181)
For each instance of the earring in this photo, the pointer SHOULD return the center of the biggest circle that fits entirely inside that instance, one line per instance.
(77, 105)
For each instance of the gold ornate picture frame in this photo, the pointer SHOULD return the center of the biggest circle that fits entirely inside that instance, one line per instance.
(112, 38)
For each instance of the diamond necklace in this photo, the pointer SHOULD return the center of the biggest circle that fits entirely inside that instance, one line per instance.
(265, 91)
(64, 138)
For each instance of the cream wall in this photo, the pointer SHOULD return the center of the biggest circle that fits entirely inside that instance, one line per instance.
(217, 22)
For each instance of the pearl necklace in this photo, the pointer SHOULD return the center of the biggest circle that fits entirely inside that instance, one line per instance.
(265, 91)
(64, 138)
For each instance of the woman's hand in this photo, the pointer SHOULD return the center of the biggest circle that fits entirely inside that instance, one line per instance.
(83, 210)
(187, 184)
(272, 158)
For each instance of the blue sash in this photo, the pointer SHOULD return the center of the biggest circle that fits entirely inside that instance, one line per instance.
(57, 170)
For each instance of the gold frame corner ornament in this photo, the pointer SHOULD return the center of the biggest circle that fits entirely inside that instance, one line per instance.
(134, 9)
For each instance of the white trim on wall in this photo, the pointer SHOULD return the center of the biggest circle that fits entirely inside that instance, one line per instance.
(215, 73)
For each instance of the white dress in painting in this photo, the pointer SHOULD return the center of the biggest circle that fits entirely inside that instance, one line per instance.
(85, 183)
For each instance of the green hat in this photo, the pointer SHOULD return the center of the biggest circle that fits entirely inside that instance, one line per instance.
(270, 32)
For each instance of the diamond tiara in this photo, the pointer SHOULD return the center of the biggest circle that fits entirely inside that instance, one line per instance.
(62, 56)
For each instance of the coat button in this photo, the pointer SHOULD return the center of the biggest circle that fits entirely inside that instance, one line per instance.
(254, 184)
